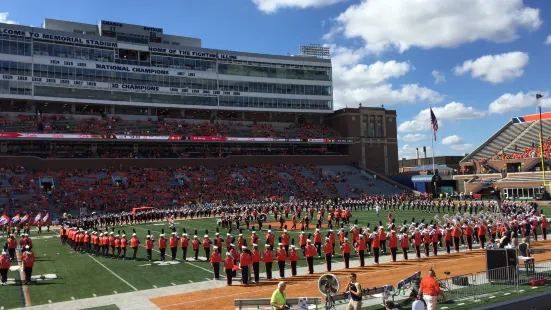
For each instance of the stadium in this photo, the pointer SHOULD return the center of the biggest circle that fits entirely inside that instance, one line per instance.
(123, 135)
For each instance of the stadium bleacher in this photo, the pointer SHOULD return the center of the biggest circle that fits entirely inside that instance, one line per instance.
(89, 124)
(22, 190)
(515, 140)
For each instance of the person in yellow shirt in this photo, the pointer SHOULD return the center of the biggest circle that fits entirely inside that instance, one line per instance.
(279, 299)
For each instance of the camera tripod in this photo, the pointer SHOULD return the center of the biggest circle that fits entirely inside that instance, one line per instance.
(329, 301)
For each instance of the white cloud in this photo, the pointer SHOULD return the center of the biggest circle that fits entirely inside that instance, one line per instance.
(516, 102)
(356, 83)
(495, 68)
(4, 18)
(548, 40)
(438, 77)
(413, 137)
(398, 24)
(451, 111)
(272, 6)
(450, 140)
(456, 143)
(462, 147)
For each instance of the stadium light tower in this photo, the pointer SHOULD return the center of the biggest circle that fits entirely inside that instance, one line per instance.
(315, 50)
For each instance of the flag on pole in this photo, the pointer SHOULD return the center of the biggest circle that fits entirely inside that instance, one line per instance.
(37, 218)
(434, 123)
(46, 217)
(15, 219)
(538, 96)
(24, 218)
(4, 220)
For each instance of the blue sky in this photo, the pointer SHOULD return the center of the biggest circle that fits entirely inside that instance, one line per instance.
(478, 62)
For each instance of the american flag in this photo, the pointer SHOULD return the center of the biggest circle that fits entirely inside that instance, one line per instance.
(434, 123)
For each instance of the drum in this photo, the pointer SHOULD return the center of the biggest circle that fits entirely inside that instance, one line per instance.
(263, 217)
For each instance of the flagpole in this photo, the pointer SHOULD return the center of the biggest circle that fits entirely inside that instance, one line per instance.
(432, 141)
(541, 151)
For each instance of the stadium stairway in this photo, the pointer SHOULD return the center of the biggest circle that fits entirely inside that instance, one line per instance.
(357, 179)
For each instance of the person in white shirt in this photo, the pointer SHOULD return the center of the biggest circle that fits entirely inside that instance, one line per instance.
(417, 304)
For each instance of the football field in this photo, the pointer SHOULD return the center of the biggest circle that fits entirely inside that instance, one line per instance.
(84, 276)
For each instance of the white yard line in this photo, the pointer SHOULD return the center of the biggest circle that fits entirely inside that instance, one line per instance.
(112, 272)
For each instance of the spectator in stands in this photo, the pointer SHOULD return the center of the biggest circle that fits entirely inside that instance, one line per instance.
(279, 299)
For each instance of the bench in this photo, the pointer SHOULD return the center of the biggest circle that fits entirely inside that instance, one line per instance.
(264, 303)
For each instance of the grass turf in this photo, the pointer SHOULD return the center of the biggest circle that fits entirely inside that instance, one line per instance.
(82, 276)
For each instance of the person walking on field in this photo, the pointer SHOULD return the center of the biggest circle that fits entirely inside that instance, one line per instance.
(430, 290)
(4, 267)
(28, 264)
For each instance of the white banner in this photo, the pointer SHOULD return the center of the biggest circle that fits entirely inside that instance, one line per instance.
(85, 64)
(102, 43)
(59, 38)
(118, 86)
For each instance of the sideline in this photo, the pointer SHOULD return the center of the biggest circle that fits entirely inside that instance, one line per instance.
(111, 271)
(24, 288)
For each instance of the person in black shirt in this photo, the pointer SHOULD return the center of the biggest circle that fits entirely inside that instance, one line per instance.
(355, 290)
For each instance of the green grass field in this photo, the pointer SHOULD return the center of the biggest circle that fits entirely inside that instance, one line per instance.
(83, 276)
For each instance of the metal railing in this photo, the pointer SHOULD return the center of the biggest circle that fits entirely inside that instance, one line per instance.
(475, 286)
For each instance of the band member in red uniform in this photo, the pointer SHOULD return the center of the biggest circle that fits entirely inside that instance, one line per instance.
(328, 252)
(149, 246)
(404, 244)
(281, 257)
(448, 239)
(184, 243)
(417, 240)
(28, 264)
(393, 244)
(375, 245)
(317, 241)
(360, 248)
(426, 242)
(134, 243)
(244, 262)
(268, 258)
(4, 267)
(434, 237)
(173, 242)
(215, 260)
(195, 245)
(256, 259)
(345, 250)
(228, 265)
(310, 252)
(162, 246)
(293, 257)
(468, 230)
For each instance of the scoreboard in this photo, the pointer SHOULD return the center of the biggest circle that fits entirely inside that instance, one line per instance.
(111, 29)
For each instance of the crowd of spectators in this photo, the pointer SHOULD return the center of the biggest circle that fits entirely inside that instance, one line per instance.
(95, 189)
(116, 125)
